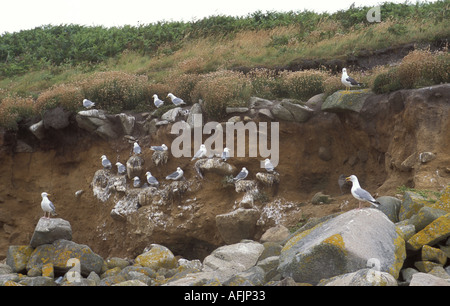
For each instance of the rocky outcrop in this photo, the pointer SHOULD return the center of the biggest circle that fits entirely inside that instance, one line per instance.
(49, 230)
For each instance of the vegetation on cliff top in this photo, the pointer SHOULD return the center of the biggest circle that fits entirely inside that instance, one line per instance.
(122, 67)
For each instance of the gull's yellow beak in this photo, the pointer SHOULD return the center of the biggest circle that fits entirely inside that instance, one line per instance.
(348, 179)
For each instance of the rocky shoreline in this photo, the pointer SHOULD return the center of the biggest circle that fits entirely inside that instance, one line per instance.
(403, 243)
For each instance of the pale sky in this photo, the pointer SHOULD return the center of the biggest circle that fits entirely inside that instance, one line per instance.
(19, 15)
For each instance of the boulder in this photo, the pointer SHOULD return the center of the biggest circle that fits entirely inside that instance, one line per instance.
(63, 254)
(18, 256)
(436, 231)
(196, 109)
(434, 255)
(363, 277)
(214, 165)
(49, 230)
(411, 204)
(339, 245)
(281, 113)
(38, 130)
(160, 157)
(390, 206)
(96, 121)
(342, 101)
(268, 178)
(229, 260)
(425, 279)
(56, 118)
(277, 233)
(171, 115)
(237, 225)
(425, 216)
(157, 257)
(127, 122)
(258, 103)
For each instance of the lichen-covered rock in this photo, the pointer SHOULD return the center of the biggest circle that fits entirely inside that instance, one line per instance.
(339, 246)
(18, 256)
(157, 257)
(425, 216)
(433, 254)
(434, 232)
(411, 204)
(444, 200)
(49, 230)
(363, 277)
(342, 101)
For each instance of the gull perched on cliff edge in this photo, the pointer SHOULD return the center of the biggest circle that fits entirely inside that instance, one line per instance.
(348, 81)
(47, 205)
(151, 180)
(177, 175)
(200, 153)
(361, 194)
(175, 100)
(105, 162)
(225, 154)
(121, 169)
(241, 175)
(162, 147)
(136, 148)
(88, 103)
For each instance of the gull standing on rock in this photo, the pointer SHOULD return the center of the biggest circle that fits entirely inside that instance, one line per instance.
(200, 153)
(175, 100)
(88, 103)
(268, 165)
(47, 205)
(151, 180)
(348, 81)
(106, 163)
(361, 194)
(158, 102)
(242, 175)
(121, 169)
(226, 154)
(162, 147)
(136, 148)
(136, 182)
(176, 176)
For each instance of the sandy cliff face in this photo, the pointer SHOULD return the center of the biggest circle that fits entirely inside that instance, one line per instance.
(402, 138)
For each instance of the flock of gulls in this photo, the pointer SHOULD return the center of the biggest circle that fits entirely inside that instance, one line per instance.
(358, 193)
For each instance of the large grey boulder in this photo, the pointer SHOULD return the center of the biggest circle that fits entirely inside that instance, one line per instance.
(363, 277)
(213, 165)
(342, 101)
(57, 118)
(96, 121)
(237, 225)
(343, 244)
(49, 230)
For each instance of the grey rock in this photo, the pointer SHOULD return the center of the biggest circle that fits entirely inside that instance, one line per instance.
(37, 281)
(425, 279)
(339, 246)
(258, 103)
(426, 157)
(38, 130)
(56, 118)
(17, 257)
(171, 115)
(390, 206)
(196, 109)
(231, 110)
(266, 112)
(135, 166)
(50, 230)
(363, 277)
(281, 113)
(96, 121)
(213, 165)
(425, 216)
(14, 277)
(237, 225)
(321, 198)
(341, 101)
(299, 112)
(277, 233)
(127, 122)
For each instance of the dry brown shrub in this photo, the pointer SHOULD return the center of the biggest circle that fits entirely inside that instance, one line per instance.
(13, 109)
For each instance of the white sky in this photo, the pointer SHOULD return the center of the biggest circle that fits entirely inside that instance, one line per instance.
(16, 15)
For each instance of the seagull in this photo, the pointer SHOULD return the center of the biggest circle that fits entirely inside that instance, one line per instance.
(47, 206)
(151, 180)
(361, 194)
(268, 165)
(136, 182)
(121, 169)
(177, 175)
(88, 103)
(175, 100)
(105, 162)
(348, 81)
(158, 103)
(200, 153)
(162, 147)
(242, 175)
(136, 148)
(226, 154)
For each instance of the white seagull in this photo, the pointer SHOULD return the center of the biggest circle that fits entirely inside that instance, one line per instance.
(121, 169)
(268, 165)
(226, 154)
(361, 194)
(162, 147)
(348, 81)
(136, 148)
(136, 182)
(200, 153)
(88, 103)
(177, 175)
(105, 162)
(151, 180)
(242, 175)
(175, 100)
(158, 102)
(47, 205)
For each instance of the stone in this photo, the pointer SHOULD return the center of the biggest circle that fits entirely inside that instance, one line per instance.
(56, 118)
(37, 281)
(114, 262)
(171, 115)
(342, 101)
(411, 204)
(5, 269)
(214, 165)
(338, 246)
(237, 225)
(127, 122)
(257, 103)
(408, 273)
(277, 233)
(281, 113)
(131, 283)
(268, 179)
(299, 112)
(157, 257)
(135, 166)
(196, 109)
(425, 216)
(38, 130)
(315, 102)
(390, 206)
(96, 121)
(321, 198)
(18, 256)
(433, 254)
(425, 279)
(426, 157)
(251, 277)
(444, 201)
(231, 110)
(363, 277)
(229, 260)
(10, 277)
(266, 113)
(406, 230)
(49, 230)
(63, 254)
(436, 231)
(47, 270)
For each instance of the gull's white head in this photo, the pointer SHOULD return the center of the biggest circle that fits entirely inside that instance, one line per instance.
(118, 164)
(226, 150)
(179, 169)
(136, 144)
(170, 95)
(344, 70)
(148, 173)
(155, 96)
(103, 157)
(44, 194)
(135, 178)
(202, 146)
(164, 146)
(352, 178)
